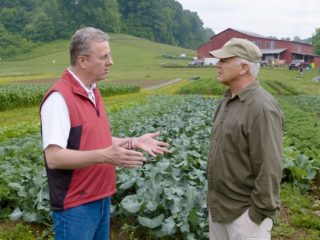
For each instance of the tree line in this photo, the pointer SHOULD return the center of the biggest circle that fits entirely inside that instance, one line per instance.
(316, 41)
(24, 24)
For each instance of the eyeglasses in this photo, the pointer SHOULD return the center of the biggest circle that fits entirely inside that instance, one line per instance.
(106, 57)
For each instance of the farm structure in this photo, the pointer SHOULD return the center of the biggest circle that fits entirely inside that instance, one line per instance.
(273, 50)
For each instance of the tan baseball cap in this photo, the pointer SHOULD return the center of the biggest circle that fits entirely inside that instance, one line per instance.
(238, 47)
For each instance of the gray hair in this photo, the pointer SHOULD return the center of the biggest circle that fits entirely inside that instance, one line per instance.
(253, 67)
(82, 39)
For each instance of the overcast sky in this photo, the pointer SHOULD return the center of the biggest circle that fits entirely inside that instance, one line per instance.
(279, 18)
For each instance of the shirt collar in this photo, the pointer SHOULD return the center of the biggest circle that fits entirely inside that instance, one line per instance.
(245, 92)
(87, 89)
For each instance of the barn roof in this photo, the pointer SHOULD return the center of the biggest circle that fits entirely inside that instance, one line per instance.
(272, 51)
(307, 54)
(249, 33)
(252, 34)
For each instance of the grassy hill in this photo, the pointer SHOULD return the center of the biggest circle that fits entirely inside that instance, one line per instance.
(134, 58)
(138, 60)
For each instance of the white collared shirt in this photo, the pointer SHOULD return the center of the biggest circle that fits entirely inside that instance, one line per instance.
(89, 90)
(55, 119)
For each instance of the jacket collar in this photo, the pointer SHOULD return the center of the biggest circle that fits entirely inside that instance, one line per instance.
(87, 89)
(245, 93)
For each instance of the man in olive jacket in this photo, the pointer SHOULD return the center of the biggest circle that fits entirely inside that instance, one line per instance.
(244, 162)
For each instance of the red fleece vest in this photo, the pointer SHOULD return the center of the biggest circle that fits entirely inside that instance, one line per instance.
(89, 130)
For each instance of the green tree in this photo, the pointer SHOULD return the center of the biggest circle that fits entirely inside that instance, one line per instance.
(296, 39)
(135, 18)
(14, 19)
(158, 20)
(27, 5)
(112, 21)
(41, 28)
(103, 14)
(60, 24)
(12, 44)
(316, 41)
(163, 21)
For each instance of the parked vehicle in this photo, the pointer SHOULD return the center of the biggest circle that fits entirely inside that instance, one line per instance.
(263, 63)
(210, 61)
(196, 62)
(204, 62)
(296, 63)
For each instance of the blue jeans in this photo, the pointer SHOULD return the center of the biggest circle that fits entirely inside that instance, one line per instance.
(90, 221)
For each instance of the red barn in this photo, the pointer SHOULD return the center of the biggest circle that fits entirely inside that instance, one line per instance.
(282, 51)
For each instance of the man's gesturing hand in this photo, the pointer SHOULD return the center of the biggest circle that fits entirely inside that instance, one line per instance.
(149, 144)
(122, 157)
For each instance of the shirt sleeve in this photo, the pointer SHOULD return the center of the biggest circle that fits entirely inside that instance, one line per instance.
(266, 155)
(55, 121)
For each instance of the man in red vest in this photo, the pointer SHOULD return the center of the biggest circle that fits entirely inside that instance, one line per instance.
(80, 152)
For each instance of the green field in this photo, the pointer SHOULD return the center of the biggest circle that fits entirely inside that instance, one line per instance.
(185, 121)
(134, 59)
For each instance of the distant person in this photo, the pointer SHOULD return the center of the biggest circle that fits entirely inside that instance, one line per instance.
(80, 152)
(301, 70)
(244, 162)
(270, 64)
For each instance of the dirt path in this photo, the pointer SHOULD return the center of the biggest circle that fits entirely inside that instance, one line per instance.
(148, 84)
(163, 84)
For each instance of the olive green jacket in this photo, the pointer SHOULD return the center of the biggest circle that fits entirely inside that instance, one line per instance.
(244, 163)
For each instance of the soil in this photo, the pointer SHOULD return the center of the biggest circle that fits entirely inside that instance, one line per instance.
(117, 233)
(37, 229)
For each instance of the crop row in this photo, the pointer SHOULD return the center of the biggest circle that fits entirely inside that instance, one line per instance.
(302, 126)
(173, 187)
(309, 103)
(26, 95)
(167, 195)
(280, 88)
(18, 130)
